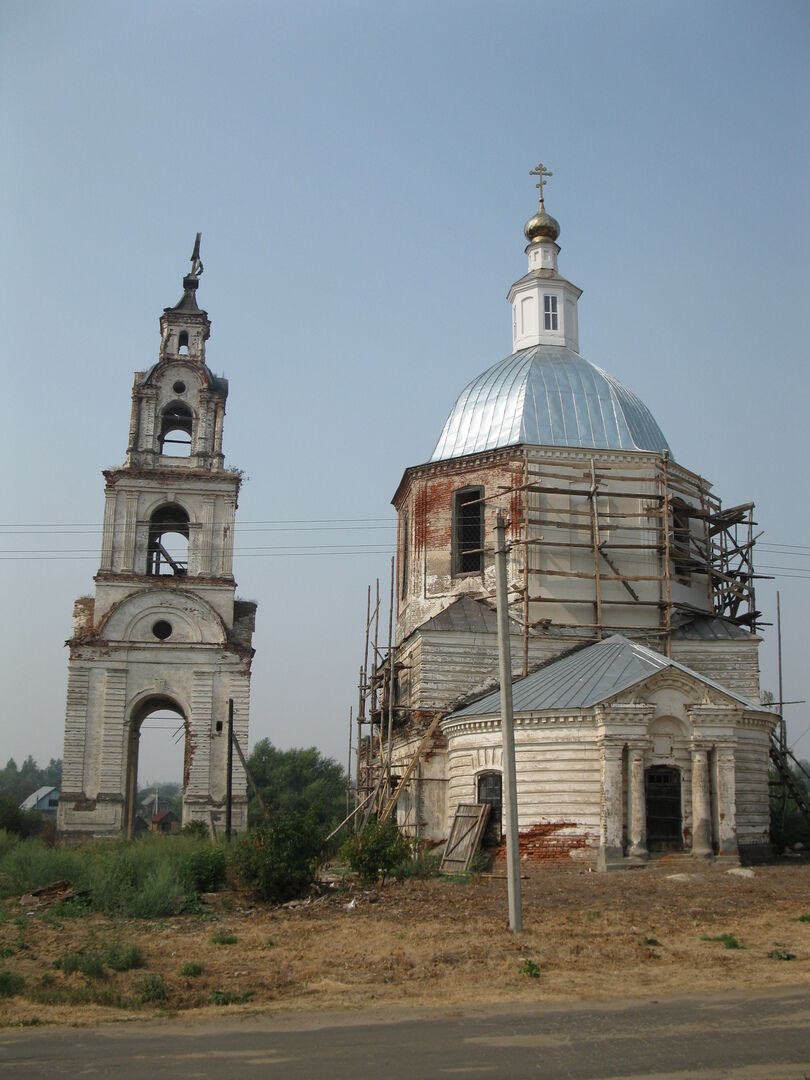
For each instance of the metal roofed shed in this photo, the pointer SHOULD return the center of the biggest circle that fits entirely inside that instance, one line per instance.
(547, 395)
(587, 677)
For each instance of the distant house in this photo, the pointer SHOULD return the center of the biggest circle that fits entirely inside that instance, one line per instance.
(165, 822)
(140, 826)
(44, 800)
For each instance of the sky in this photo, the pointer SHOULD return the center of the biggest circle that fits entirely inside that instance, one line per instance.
(360, 174)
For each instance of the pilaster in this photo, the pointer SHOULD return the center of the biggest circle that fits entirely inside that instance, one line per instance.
(701, 802)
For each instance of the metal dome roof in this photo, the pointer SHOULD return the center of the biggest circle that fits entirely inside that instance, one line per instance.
(547, 395)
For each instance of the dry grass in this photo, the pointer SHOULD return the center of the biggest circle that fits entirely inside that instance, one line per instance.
(422, 943)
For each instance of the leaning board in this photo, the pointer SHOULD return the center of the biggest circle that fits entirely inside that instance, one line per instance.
(465, 836)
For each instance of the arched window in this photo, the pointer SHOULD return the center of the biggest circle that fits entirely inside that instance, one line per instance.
(182, 342)
(490, 790)
(175, 431)
(167, 552)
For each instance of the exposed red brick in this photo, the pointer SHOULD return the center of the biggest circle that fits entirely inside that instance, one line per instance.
(541, 842)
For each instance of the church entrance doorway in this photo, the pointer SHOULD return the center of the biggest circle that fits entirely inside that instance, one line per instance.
(664, 822)
(490, 790)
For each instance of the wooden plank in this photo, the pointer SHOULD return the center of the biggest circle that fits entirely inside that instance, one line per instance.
(392, 802)
(465, 836)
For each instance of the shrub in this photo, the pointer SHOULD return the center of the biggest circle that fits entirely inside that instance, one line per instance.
(120, 957)
(279, 859)
(377, 851)
(530, 968)
(88, 963)
(192, 970)
(152, 988)
(11, 983)
(204, 869)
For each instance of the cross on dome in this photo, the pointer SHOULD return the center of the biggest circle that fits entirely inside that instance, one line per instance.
(541, 172)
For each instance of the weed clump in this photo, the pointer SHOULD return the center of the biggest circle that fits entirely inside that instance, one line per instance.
(222, 937)
(781, 953)
(729, 940)
(230, 997)
(152, 988)
(89, 963)
(530, 968)
(120, 957)
(192, 970)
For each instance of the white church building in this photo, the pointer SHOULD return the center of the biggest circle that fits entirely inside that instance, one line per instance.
(638, 723)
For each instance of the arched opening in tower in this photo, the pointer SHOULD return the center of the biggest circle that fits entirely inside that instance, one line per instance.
(175, 430)
(158, 761)
(167, 551)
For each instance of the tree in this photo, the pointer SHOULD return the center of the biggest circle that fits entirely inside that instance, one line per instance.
(19, 783)
(297, 780)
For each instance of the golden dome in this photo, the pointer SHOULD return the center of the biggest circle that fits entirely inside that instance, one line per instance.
(541, 226)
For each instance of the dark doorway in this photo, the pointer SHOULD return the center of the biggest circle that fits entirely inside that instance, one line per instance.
(490, 790)
(664, 824)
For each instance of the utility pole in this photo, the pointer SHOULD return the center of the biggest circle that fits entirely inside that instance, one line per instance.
(229, 775)
(507, 732)
(782, 727)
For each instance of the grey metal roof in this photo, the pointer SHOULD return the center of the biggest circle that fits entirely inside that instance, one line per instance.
(32, 800)
(547, 395)
(468, 614)
(709, 628)
(587, 677)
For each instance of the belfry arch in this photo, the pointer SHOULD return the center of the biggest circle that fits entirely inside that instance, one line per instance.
(164, 629)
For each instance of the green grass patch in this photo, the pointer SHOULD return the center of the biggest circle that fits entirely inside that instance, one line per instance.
(192, 970)
(728, 940)
(230, 997)
(804, 918)
(148, 878)
(222, 937)
(650, 941)
(530, 968)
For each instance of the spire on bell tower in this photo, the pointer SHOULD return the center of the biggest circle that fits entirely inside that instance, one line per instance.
(185, 328)
(544, 304)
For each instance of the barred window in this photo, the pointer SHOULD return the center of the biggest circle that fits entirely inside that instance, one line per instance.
(468, 531)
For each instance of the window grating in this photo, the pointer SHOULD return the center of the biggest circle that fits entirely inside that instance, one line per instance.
(468, 531)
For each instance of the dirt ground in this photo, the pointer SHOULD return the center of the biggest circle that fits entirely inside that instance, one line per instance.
(441, 942)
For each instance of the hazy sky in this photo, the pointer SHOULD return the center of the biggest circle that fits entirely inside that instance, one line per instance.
(359, 172)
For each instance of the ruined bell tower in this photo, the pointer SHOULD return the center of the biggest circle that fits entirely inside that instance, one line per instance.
(163, 630)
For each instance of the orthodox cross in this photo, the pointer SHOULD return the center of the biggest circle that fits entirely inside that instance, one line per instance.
(541, 172)
(196, 261)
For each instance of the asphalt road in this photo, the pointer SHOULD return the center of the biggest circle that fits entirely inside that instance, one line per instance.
(747, 1036)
